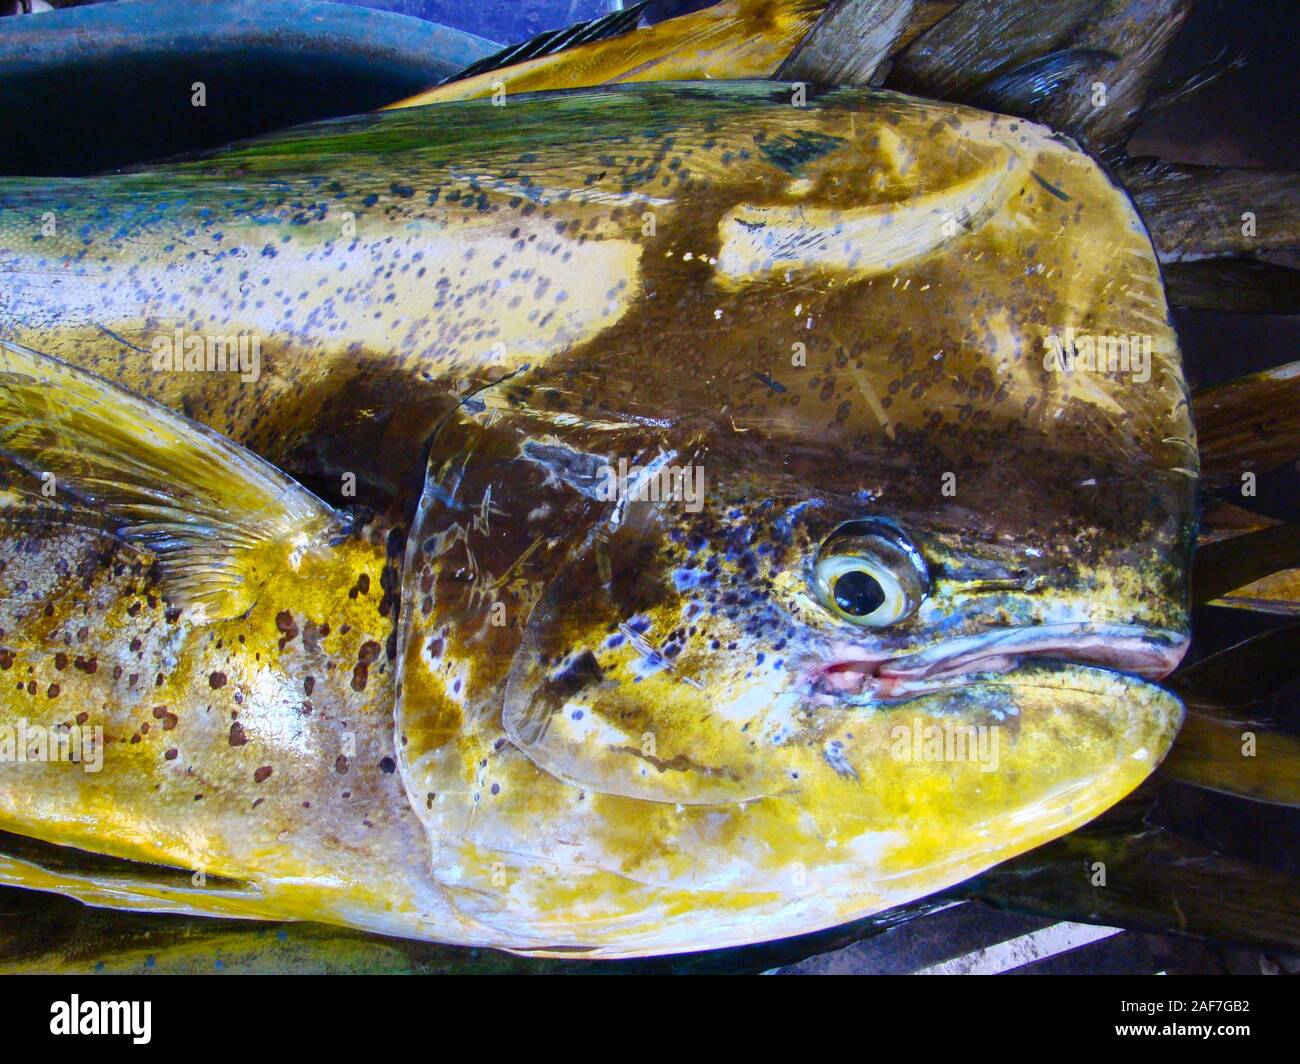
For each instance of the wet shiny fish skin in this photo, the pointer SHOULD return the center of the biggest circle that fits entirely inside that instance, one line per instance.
(771, 227)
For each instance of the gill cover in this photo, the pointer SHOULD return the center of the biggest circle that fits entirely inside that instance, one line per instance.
(219, 520)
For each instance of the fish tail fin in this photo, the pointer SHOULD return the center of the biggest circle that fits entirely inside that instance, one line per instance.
(1248, 424)
(217, 517)
(1154, 880)
(1185, 206)
(851, 43)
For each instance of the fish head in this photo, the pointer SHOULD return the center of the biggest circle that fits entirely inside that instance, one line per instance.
(738, 583)
(835, 659)
(927, 490)
(867, 594)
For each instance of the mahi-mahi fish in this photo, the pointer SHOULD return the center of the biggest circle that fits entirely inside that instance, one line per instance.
(802, 508)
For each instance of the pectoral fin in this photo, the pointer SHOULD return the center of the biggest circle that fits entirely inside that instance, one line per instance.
(125, 892)
(217, 517)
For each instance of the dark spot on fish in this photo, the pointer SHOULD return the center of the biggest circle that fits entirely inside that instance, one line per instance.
(387, 765)
(1050, 187)
(262, 774)
(792, 151)
(216, 680)
(340, 764)
(579, 673)
(238, 737)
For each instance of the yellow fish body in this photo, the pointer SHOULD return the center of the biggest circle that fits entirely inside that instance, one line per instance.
(783, 550)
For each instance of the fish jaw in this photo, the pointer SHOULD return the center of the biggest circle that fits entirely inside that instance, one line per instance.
(640, 793)
(865, 677)
(865, 809)
(516, 895)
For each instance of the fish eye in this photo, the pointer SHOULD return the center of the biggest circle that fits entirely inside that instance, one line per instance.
(870, 573)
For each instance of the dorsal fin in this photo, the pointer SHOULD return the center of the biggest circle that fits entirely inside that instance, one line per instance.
(216, 516)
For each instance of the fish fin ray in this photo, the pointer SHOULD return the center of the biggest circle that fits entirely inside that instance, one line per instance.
(1158, 882)
(214, 514)
(1197, 212)
(1021, 89)
(849, 43)
(116, 883)
(1234, 286)
(1223, 568)
(1249, 424)
(976, 41)
(1210, 753)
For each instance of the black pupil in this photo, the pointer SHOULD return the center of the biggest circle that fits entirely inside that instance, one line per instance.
(858, 593)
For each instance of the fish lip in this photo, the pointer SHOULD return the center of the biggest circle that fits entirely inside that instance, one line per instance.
(1151, 653)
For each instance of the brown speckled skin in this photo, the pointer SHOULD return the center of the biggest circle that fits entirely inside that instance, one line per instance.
(706, 271)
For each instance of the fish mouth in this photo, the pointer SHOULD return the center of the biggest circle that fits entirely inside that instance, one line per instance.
(857, 675)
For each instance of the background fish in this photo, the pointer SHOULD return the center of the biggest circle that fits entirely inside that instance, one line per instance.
(622, 722)
(734, 39)
(104, 85)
